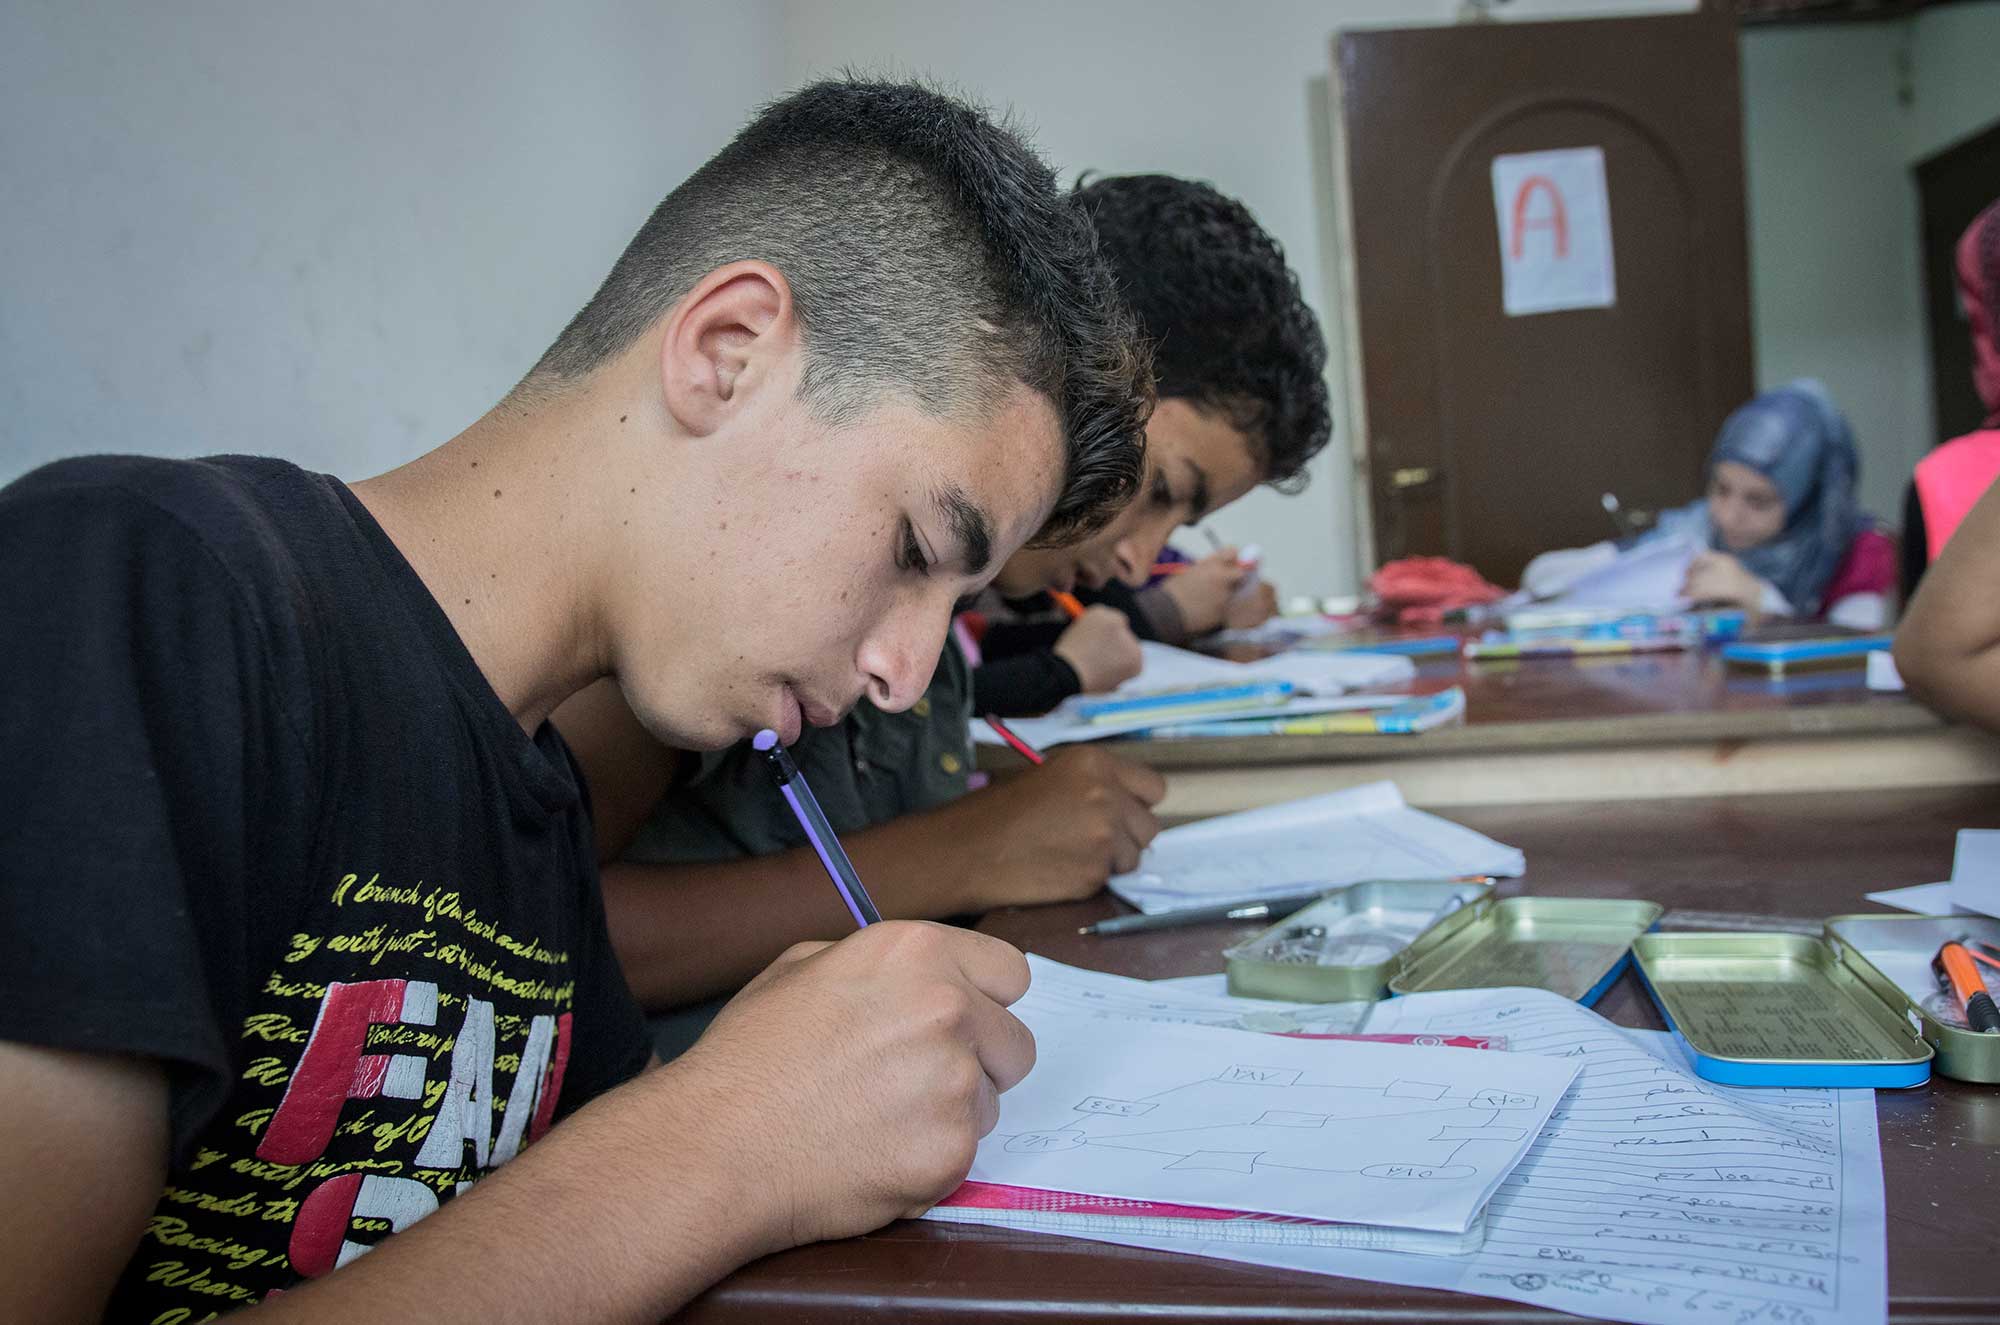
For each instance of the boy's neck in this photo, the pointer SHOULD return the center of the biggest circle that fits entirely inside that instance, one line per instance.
(498, 523)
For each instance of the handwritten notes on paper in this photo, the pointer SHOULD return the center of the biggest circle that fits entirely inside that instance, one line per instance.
(1394, 1135)
(1650, 1196)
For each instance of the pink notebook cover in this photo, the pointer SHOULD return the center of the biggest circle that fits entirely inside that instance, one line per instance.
(1000, 1196)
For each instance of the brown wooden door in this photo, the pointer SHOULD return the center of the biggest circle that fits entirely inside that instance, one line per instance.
(1953, 187)
(1490, 437)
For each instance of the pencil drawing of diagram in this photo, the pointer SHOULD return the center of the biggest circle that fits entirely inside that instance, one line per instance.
(1247, 1117)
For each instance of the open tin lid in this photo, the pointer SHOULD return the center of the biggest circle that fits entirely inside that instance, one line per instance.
(1574, 946)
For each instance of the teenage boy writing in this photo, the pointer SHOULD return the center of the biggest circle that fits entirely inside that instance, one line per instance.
(303, 928)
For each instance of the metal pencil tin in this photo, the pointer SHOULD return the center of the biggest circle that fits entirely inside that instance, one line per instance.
(1575, 946)
(1779, 1010)
(1361, 929)
(1892, 956)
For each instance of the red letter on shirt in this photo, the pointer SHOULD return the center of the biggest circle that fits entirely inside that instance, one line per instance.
(333, 1070)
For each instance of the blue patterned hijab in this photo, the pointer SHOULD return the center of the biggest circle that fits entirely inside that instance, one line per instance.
(1795, 436)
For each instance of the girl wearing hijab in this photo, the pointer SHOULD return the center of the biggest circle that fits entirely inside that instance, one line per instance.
(1951, 479)
(1781, 532)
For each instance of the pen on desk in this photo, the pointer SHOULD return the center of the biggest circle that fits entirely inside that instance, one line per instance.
(1068, 602)
(1958, 976)
(1021, 747)
(819, 832)
(1270, 908)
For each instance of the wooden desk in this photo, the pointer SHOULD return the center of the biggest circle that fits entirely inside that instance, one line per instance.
(1564, 730)
(1785, 855)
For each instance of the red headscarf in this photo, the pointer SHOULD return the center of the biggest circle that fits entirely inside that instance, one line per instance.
(1979, 287)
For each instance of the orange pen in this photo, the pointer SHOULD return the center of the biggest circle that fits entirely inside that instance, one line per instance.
(1068, 603)
(1956, 973)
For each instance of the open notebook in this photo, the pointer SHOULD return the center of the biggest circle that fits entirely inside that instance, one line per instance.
(1321, 683)
(1328, 1141)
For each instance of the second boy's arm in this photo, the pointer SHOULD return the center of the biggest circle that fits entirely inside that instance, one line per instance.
(690, 931)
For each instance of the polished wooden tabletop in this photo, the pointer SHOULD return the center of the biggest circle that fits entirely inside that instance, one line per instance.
(1571, 703)
(1801, 856)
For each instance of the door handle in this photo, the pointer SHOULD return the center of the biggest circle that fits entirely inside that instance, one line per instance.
(1415, 476)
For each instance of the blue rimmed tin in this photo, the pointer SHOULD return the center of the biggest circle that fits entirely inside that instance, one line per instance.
(1779, 1010)
(1777, 656)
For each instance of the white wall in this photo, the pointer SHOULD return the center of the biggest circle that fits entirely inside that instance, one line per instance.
(1229, 93)
(1835, 273)
(339, 234)
(1955, 59)
(1833, 118)
(335, 233)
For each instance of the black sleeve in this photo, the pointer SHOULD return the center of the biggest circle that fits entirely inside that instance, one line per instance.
(1013, 639)
(1022, 686)
(1916, 542)
(144, 729)
(1116, 593)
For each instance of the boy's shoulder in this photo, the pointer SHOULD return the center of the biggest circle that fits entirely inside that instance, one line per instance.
(220, 500)
(122, 526)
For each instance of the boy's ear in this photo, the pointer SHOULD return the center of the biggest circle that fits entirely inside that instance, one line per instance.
(724, 340)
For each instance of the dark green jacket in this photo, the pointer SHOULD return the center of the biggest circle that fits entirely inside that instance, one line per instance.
(873, 767)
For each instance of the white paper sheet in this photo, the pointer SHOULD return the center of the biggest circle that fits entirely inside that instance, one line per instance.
(1975, 871)
(1882, 673)
(1553, 217)
(1059, 990)
(1926, 899)
(1365, 832)
(1326, 683)
(1645, 578)
(1393, 1135)
(1651, 1196)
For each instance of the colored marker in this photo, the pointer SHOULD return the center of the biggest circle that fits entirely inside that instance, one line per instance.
(1021, 747)
(1068, 603)
(1957, 976)
(819, 832)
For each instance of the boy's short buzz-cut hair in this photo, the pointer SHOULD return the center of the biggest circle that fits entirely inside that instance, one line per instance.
(931, 255)
(1229, 326)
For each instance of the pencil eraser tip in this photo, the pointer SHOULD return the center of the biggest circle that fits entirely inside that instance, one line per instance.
(766, 741)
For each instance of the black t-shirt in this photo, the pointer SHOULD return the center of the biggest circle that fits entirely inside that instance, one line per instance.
(263, 819)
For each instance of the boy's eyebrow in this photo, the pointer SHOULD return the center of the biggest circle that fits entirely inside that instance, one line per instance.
(1200, 486)
(969, 525)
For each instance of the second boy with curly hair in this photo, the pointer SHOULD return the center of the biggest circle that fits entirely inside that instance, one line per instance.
(1242, 400)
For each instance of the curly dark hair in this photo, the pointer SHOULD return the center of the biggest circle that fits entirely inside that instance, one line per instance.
(930, 253)
(1229, 327)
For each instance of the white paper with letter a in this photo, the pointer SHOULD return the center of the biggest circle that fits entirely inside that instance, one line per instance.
(1554, 218)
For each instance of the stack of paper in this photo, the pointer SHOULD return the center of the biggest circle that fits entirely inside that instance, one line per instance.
(1365, 832)
(1645, 577)
(1256, 1137)
(1972, 889)
(1321, 683)
(1975, 871)
(1650, 1196)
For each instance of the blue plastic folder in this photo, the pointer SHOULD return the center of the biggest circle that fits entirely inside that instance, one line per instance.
(1778, 653)
(1172, 704)
(1421, 647)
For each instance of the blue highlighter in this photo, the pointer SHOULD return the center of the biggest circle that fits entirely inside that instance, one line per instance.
(792, 784)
